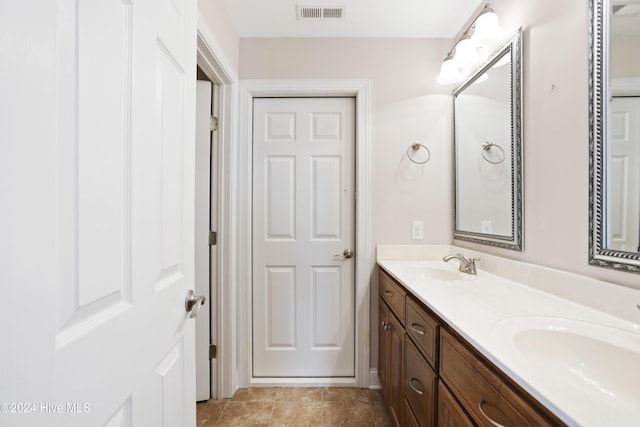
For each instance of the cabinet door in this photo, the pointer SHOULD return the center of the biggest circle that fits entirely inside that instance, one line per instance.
(394, 366)
(383, 346)
(390, 342)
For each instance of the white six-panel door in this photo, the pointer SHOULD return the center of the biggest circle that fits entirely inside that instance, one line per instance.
(303, 221)
(624, 174)
(103, 338)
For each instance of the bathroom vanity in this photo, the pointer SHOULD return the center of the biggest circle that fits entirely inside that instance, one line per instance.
(463, 350)
(440, 369)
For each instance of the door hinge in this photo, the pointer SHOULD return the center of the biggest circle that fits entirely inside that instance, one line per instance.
(213, 352)
(213, 123)
(213, 238)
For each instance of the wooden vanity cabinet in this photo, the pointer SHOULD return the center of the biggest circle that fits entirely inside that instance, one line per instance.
(485, 392)
(391, 338)
(406, 360)
(431, 376)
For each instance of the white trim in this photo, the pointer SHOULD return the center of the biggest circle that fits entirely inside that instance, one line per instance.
(361, 89)
(625, 86)
(374, 379)
(213, 62)
(210, 51)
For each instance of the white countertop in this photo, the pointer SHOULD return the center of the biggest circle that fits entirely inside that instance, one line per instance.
(483, 308)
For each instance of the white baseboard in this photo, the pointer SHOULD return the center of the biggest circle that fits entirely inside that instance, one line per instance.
(374, 382)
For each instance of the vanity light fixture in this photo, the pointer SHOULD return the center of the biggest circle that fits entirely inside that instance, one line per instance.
(449, 73)
(480, 37)
(466, 54)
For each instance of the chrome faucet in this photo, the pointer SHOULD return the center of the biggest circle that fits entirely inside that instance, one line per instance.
(466, 265)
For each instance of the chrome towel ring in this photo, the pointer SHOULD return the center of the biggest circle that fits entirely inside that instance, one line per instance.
(415, 147)
(486, 148)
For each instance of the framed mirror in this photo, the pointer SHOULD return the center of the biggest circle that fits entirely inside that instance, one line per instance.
(488, 151)
(614, 140)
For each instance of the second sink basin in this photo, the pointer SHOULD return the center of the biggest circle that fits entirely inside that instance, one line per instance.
(597, 360)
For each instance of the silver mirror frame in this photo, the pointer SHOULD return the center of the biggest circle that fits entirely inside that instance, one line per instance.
(599, 254)
(515, 241)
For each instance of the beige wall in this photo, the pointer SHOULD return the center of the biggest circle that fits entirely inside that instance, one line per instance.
(556, 135)
(624, 59)
(217, 21)
(408, 106)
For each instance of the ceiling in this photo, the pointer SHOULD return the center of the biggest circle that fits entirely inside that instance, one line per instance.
(363, 18)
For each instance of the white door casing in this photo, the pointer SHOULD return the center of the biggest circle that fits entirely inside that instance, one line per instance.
(217, 68)
(303, 221)
(242, 189)
(104, 338)
(624, 204)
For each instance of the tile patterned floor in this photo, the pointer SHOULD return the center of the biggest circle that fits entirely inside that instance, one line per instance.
(285, 407)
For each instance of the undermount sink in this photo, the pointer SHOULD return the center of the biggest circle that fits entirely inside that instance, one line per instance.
(432, 272)
(600, 361)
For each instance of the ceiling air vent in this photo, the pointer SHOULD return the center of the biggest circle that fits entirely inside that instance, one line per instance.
(321, 13)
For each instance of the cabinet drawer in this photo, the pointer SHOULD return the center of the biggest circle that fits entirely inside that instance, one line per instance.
(423, 329)
(393, 295)
(481, 391)
(450, 413)
(409, 419)
(419, 385)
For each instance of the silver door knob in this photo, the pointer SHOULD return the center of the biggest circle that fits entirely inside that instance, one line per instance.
(348, 253)
(192, 303)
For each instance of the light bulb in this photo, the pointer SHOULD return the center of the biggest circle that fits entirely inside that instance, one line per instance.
(487, 30)
(466, 54)
(449, 73)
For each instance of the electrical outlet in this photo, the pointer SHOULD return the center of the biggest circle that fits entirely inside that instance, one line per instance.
(417, 230)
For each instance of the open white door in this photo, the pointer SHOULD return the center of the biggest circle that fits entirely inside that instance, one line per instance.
(98, 242)
(204, 369)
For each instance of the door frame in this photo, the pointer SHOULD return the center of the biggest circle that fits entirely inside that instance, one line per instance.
(212, 61)
(361, 90)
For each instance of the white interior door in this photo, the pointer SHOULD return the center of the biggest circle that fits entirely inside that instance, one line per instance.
(204, 369)
(102, 338)
(303, 222)
(624, 182)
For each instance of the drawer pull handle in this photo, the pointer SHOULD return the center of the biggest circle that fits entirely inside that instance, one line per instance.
(412, 386)
(387, 293)
(482, 402)
(417, 331)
